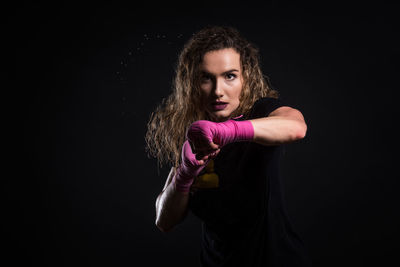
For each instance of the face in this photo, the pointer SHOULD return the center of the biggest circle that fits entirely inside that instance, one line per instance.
(221, 80)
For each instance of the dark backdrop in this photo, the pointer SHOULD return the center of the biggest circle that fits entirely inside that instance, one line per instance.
(88, 77)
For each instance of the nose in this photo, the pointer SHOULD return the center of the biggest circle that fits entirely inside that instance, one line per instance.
(218, 88)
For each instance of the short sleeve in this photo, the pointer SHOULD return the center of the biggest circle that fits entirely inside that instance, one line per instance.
(264, 106)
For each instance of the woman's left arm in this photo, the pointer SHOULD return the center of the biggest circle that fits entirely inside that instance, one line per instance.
(283, 125)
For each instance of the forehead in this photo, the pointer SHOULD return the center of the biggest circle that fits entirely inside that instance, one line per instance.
(220, 61)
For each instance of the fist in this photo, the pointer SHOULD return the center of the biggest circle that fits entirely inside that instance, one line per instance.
(189, 159)
(201, 136)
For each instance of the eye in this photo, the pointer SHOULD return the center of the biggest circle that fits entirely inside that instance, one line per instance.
(205, 78)
(231, 76)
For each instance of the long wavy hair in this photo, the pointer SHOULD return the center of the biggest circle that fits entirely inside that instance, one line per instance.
(167, 126)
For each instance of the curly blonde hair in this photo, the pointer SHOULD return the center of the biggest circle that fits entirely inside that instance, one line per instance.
(167, 126)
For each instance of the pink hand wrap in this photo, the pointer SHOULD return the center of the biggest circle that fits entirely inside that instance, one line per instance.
(188, 170)
(203, 132)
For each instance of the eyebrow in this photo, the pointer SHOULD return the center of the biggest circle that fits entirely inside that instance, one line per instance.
(225, 72)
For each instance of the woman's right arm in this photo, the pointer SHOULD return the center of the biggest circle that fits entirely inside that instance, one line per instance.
(171, 205)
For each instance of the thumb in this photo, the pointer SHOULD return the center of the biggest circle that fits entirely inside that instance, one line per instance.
(204, 160)
(213, 145)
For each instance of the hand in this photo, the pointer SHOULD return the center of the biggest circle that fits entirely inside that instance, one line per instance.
(190, 167)
(206, 137)
(189, 161)
(201, 136)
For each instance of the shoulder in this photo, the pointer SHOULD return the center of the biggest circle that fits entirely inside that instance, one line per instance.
(264, 106)
(268, 101)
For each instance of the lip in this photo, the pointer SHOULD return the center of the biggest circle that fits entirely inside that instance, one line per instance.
(219, 103)
(219, 106)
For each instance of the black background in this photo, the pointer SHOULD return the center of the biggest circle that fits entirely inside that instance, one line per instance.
(87, 77)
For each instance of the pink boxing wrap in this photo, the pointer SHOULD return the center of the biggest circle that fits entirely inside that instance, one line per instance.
(203, 132)
(188, 170)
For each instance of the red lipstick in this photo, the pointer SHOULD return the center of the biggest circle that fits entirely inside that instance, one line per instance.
(219, 105)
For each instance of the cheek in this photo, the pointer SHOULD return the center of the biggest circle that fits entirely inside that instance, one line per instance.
(238, 91)
(205, 89)
(204, 95)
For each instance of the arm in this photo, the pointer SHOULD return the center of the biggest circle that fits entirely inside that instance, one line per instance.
(283, 125)
(171, 205)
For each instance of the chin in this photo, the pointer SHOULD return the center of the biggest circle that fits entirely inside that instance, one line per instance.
(222, 118)
(221, 115)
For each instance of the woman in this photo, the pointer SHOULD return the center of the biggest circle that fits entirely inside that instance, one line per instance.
(222, 130)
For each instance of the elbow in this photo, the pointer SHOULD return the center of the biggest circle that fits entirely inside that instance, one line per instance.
(301, 131)
(301, 128)
(163, 228)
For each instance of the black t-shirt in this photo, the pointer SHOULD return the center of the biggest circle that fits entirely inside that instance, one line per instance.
(239, 199)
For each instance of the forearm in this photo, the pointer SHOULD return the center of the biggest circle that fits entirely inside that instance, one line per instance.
(275, 130)
(171, 207)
